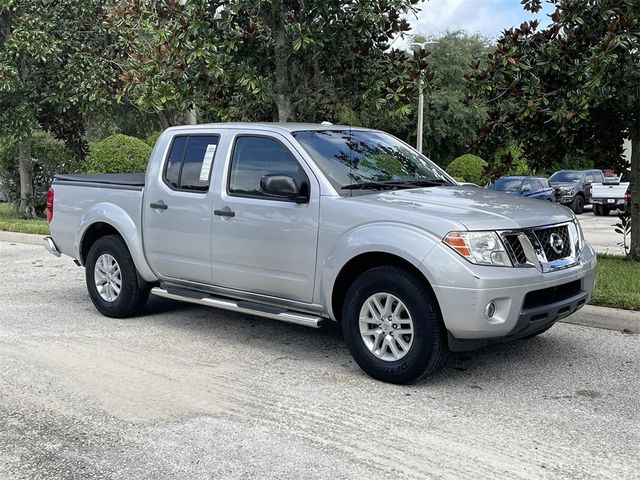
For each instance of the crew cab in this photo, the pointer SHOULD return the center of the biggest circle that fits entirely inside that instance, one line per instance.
(573, 187)
(309, 223)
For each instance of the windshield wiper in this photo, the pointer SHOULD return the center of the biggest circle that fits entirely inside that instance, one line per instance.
(370, 186)
(392, 184)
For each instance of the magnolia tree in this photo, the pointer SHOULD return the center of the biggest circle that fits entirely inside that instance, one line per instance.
(569, 90)
(266, 59)
(50, 74)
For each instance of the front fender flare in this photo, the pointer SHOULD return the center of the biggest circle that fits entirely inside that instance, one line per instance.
(405, 241)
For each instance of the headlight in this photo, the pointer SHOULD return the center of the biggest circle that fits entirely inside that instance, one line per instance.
(481, 248)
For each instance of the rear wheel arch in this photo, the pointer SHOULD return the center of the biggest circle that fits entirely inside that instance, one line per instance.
(92, 234)
(362, 263)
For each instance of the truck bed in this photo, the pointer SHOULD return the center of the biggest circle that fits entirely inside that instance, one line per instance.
(106, 180)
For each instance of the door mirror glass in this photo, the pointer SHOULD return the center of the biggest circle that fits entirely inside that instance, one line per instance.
(282, 186)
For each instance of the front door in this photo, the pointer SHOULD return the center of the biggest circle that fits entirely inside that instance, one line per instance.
(263, 244)
(177, 211)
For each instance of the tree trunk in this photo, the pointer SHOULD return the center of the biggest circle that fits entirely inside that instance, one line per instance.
(282, 86)
(635, 193)
(25, 167)
(191, 116)
(163, 120)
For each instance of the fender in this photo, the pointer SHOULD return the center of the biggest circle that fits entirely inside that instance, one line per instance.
(119, 219)
(400, 239)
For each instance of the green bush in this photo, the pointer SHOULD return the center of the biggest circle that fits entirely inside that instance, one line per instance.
(118, 154)
(519, 165)
(470, 168)
(152, 139)
(50, 156)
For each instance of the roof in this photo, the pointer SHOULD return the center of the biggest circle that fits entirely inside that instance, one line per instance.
(271, 126)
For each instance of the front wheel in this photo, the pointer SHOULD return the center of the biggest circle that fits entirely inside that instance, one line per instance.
(578, 204)
(393, 327)
(112, 279)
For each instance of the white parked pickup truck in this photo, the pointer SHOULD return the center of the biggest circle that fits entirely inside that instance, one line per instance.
(610, 195)
(309, 223)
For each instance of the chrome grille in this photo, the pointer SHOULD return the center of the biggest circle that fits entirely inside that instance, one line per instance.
(555, 241)
(546, 248)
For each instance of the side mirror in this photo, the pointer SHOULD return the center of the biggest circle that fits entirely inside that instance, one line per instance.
(283, 186)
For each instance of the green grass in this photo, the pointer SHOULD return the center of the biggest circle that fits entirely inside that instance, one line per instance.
(617, 283)
(10, 222)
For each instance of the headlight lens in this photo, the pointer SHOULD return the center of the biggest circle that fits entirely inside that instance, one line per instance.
(481, 248)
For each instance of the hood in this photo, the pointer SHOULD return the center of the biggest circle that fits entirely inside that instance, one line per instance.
(563, 184)
(474, 208)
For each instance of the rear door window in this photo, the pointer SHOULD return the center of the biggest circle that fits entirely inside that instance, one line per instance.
(190, 161)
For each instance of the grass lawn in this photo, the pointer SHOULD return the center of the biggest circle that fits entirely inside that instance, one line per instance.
(9, 222)
(617, 283)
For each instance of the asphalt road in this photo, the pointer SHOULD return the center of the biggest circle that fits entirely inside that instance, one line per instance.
(188, 392)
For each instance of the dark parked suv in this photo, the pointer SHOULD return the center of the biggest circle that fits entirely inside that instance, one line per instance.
(573, 186)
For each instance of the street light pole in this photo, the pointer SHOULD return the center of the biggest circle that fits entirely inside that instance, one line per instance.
(420, 129)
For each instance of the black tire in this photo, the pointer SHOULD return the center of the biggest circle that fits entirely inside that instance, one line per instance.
(578, 205)
(597, 210)
(132, 298)
(429, 350)
(605, 211)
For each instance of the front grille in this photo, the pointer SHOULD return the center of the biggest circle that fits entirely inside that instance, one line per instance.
(555, 242)
(515, 248)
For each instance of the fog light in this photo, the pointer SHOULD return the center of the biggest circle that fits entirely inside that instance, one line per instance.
(490, 309)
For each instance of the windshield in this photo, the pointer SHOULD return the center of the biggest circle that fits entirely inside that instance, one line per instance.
(566, 177)
(506, 184)
(367, 159)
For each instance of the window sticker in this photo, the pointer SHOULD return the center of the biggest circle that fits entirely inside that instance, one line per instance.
(206, 163)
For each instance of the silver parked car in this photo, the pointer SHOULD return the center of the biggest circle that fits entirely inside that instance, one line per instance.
(309, 223)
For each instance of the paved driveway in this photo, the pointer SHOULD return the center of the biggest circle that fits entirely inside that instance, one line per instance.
(599, 232)
(189, 392)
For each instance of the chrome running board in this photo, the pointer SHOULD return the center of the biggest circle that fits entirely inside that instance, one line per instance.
(251, 308)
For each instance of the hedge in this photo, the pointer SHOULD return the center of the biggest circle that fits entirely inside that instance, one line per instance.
(118, 154)
(470, 168)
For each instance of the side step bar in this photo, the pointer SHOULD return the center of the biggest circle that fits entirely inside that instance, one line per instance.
(250, 308)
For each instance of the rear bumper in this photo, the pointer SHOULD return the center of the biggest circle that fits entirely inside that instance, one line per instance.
(51, 246)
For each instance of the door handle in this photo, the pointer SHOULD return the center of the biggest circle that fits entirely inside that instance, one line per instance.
(225, 212)
(160, 205)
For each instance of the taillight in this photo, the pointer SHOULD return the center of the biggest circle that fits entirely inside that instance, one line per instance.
(627, 197)
(50, 205)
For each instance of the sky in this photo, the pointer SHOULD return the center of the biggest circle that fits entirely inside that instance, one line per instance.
(487, 17)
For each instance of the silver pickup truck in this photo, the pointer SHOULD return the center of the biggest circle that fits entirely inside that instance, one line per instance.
(309, 223)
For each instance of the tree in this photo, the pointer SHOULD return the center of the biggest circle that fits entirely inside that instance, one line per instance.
(50, 72)
(570, 90)
(262, 59)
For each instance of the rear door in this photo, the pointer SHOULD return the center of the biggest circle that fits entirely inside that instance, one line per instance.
(177, 210)
(263, 244)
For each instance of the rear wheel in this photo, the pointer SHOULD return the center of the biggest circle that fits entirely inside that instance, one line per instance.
(597, 209)
(392, 325)
(578, 204)
(112, 279)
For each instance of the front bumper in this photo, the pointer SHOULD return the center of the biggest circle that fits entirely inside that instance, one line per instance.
(526, 300)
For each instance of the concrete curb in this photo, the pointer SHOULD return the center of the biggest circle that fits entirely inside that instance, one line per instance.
(588, 316)
(15, 237)
(607, 318)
